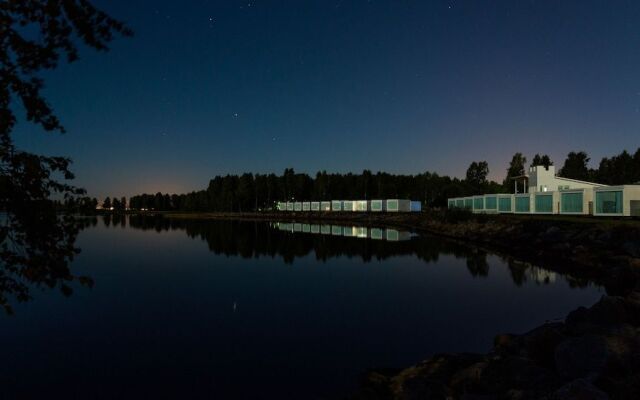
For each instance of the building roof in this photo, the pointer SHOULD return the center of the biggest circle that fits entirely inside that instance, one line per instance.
(579, 181)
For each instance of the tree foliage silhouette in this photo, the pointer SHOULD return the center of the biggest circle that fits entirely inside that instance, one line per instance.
(477, 176)
(516, 168)
(36, 244)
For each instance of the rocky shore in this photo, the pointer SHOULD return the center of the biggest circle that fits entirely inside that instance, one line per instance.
(593, 354)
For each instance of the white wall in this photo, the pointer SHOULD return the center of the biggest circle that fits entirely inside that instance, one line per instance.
(542, 179)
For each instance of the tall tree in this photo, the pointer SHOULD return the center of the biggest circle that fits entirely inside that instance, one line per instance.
(543, 160)
(617, 170)
(107, 203)
(636, 167)
(34, 35)
(516, 168)
(477, 175)
(576, 166)
(245, 192)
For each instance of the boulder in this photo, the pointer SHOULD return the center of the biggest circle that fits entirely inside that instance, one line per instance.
(580, 357)
(579, 389)
(540, 343)
(609, 311)
(632, 248)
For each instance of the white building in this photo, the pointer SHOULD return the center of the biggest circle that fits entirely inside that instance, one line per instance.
(544, 179)
(541, 191)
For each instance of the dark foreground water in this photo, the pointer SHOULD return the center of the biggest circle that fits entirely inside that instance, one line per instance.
(206, 309)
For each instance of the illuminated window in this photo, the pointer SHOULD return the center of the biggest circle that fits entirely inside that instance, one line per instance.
(504, 204)
(609, 202)
(544, 203)
(491, 202)
(523, 204)
(571, 202)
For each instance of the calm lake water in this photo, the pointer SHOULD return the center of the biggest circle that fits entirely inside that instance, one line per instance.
(213, 309)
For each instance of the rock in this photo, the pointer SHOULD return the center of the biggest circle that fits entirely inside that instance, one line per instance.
(470, 396)
(513, 377)
(578, 320)
(552, 235)
(581, 357)
(579, 389)
(580, 249)
(609, 311)
(632, 247)
(507, 344)
(552, 229)
(375, 386)
(540, 343)
(430, 379)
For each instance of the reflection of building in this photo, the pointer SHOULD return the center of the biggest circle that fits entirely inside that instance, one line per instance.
(361, 232)
(541, 275)
(542, 192)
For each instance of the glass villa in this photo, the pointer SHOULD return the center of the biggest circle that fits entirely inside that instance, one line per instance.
(572, 197)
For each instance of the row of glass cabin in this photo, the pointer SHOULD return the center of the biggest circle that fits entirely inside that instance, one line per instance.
(601, 201)
(391, 205)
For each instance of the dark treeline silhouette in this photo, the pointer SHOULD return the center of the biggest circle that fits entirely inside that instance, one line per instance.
(115, 204)
(620, 169)
(84, 205)
(258, 239)
(252, 192)
(249, 192)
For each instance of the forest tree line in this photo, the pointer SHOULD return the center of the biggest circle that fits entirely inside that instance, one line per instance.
(251, 192)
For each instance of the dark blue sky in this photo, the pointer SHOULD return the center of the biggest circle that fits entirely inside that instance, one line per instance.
(216, 87)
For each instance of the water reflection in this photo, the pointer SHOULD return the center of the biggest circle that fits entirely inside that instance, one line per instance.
(291, 240)
(360, 232)
(37, 254)
(245, 310)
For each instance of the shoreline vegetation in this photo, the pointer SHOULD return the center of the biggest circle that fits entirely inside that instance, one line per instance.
(249, 192)
(593, 354)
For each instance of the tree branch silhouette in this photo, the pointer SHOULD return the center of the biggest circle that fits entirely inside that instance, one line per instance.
(36, 243)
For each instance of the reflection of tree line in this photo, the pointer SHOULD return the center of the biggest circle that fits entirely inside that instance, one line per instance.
(258, 239)
(42, 260)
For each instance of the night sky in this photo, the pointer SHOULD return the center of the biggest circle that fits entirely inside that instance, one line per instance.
(217, 87)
